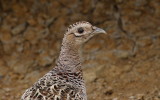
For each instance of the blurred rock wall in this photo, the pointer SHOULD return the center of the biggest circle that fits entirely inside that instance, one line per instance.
(31, 31)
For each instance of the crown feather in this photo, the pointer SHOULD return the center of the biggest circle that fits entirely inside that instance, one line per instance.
(75, 24)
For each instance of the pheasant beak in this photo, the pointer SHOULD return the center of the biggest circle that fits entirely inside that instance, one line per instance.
(98, 30)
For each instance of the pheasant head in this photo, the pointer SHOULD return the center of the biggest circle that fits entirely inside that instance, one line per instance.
(82, 31)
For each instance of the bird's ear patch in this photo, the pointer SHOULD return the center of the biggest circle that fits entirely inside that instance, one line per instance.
(70, 36)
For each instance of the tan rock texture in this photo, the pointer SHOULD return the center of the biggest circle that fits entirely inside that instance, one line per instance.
(123, 65)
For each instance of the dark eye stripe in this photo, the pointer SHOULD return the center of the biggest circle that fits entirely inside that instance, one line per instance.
(80, 30)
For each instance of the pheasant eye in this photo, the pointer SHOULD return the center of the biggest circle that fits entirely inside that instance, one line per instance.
(80, 30)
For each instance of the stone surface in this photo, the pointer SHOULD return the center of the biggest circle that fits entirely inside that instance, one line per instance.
(19, 29)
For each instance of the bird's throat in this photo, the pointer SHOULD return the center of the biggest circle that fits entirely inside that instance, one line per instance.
(69, 58)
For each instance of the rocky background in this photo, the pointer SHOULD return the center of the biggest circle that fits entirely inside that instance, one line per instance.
(123, 65)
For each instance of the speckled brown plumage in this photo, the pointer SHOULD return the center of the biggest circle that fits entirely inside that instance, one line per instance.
(65, 81)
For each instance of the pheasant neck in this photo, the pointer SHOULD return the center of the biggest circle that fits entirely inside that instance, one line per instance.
(69, 59)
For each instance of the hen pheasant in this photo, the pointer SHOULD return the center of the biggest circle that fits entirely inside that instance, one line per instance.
(65, 81)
